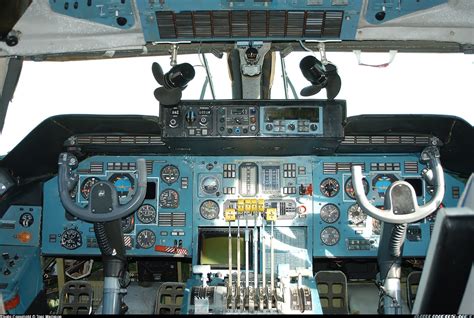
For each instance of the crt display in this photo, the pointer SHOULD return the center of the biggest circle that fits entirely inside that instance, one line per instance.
(214, 249)
(293, 113)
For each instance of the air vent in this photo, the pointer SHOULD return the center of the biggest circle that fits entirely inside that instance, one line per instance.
(386, 140)
(329, 168)
(119, 140)
(411, 167)
(254, 23)
(455, 192)
(176, 219)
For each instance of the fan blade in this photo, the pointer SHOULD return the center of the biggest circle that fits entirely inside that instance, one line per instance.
(168, 96)
(158, 73)
(310, 90)
(333, 85)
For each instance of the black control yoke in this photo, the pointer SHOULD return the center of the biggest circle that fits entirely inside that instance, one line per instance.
(401, 205)
(103, 204)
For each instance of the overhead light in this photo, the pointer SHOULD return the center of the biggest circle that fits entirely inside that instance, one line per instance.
(320, 76)
(172, 83)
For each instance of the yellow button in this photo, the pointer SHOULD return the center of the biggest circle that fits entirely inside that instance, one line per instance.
(254, 207)
(229, 215)
(248, 205)
(261, 205)
(271, 214)
(240, 205)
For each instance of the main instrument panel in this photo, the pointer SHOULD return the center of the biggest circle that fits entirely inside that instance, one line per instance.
(188, 193)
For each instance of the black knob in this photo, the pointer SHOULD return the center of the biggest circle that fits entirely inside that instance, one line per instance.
(7, 272)
(229, 130)
(380, 15)
(190, 117)
(11, 263)
(268, 126)
(291, 127)
(313, 127)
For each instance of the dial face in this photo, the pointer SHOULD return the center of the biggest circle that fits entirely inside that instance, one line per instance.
(349, 187)
(210, 184)
(86, 186)
(356, 216)
(330, 236)
(71, 239)
(329, 187)
(146, 239)
(209, 210)
(330, 213)
(128, 224)
(124, 184)
(169, 199)
(169, 174)
(381, 182)
(26, 219)
(146, 214)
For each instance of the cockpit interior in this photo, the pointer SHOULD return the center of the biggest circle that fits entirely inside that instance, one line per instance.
(246, 205)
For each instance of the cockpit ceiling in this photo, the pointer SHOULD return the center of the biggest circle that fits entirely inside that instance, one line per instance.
(80, 27)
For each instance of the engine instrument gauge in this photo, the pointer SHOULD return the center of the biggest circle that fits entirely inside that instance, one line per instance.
(209, 210)
(349, 188)
(169, 199)
(169, 174)
(210, 184)
(330, 236)
(356, 216)
(381, 182)
(123, 182)
(329, 187)
(71, 239)
(146, 214)
(86, 186)
(330, 213)
(146, 239)
(128, 224)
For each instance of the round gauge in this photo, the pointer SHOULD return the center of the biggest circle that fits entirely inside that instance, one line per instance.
(330, 213)
(329, 187)
(123, 182)
(146, 214)
(210, 184)
(349, 188)
(356, 216)
(146, 239)
(26, 219)
(71, 239)
(169, 199)
(330, 236)
(381, 182)
(128, 224)
(86, 186)
(209, 210)
(169, 174)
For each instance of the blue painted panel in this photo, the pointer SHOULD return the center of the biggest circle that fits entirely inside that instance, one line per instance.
(369, 231)
(148, 11)
(115, 13)
(56, 222)
(392, 9)
(21, 222)
(25, 278)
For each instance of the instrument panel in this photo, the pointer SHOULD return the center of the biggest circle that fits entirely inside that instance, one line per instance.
(185, 193)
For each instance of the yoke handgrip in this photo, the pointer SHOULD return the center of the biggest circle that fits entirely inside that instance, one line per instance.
(416, 212)
(67, 162)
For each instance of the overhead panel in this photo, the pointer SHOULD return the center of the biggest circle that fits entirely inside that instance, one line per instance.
(379, 11)
(224, 20)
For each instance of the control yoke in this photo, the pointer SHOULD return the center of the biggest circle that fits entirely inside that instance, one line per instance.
(401, 205)
(103, 204)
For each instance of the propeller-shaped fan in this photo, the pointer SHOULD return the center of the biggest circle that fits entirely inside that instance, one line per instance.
(173, 82)
(321, 76)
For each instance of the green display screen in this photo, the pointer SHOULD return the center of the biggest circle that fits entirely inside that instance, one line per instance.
(215, 251)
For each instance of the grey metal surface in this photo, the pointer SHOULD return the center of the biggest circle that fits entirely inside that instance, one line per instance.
(141, 300)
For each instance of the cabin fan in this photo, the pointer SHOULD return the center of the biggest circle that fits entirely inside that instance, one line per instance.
(172, 83)
(321, 76)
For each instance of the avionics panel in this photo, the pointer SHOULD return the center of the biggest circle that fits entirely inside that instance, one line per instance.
(312, 197)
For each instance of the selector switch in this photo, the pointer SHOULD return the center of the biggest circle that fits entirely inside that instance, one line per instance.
(269, 127)
(190, 117)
